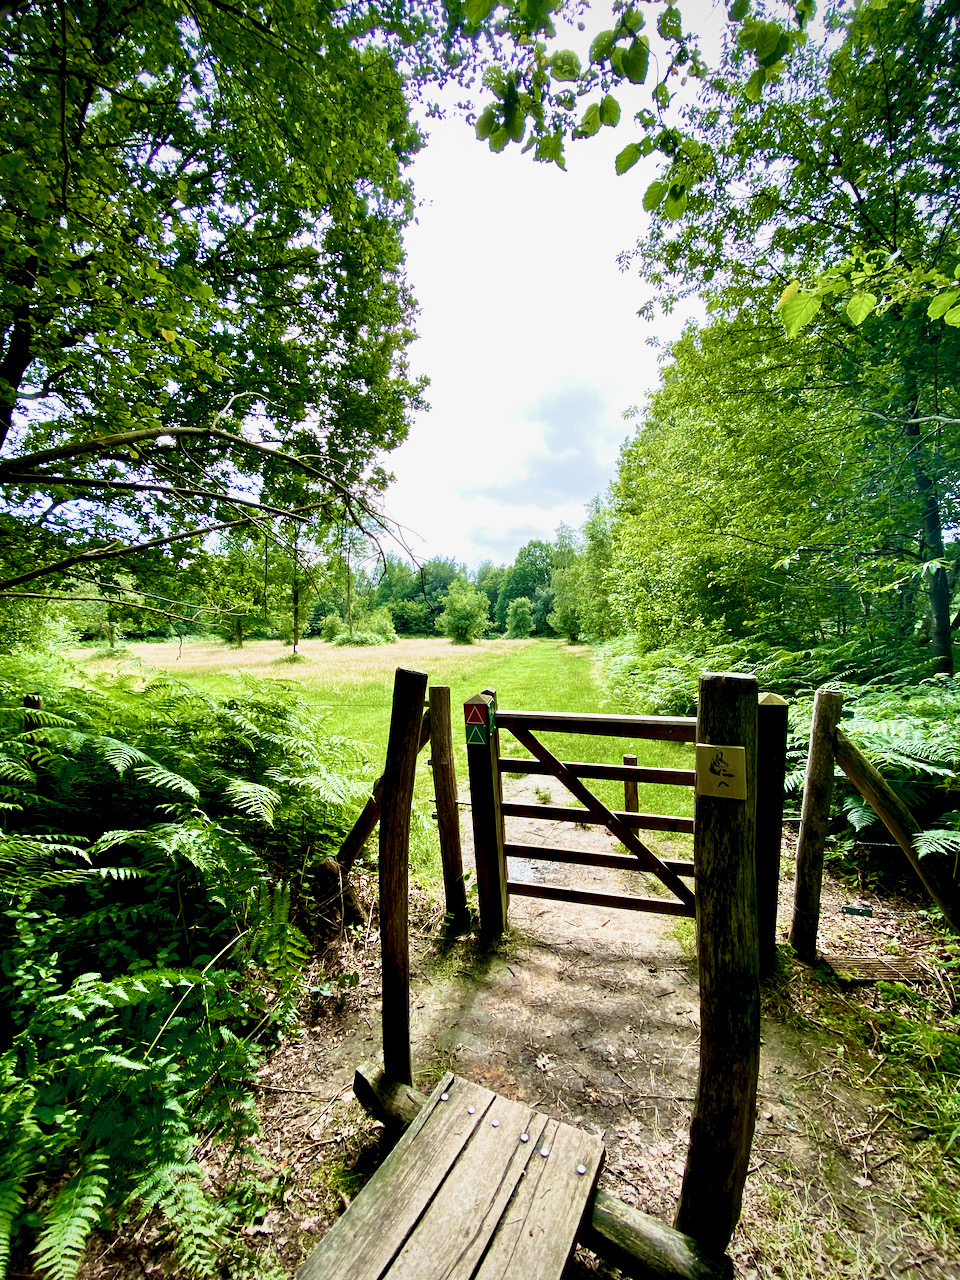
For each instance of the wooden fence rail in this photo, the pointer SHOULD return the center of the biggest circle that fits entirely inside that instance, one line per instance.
(829, 745)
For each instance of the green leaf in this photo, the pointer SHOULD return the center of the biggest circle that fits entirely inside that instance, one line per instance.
(792, 289)
(609, 110)
(628, 157)
(486, 123)
(942, 303)
(669, 24)
(799, 311)
(515, 124)
(602, 46)
(739, 10)
(636, 60)
(590, 124)
(633, 19)
(860, 306)
(478, 11)
(952, 318)
(675, 204)
(654, 194)
(753, 89)
(565, 65)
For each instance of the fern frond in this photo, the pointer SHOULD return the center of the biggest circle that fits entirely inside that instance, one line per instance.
(121, 755)
(160, 777)
(253, 798)
(70, 1218)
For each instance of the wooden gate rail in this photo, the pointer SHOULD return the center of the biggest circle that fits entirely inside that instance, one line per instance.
(567, 813)
(584, 858)
(658, 728)
(608, 772)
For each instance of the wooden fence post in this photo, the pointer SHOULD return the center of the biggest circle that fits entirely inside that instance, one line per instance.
(631, 801)
(399, 775)
(814, 821)
(448, 815)
(721, 1130)
(485, 803)
(771, 770)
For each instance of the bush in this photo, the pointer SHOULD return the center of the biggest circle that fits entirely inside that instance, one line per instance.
(519, 618)
(360, 638)
(331, 627)
(466, 613)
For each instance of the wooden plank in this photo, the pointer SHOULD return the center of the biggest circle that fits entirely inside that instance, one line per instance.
(655, 728)
(458, 1225)
(641, 1246)
(584, 858)
(568, 813)
(604, 817)
(363, 1243)
(587, 898)
(606, 772)
(537, 1238)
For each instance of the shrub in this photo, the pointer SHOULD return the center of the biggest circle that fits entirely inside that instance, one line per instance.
(360, 638)
(331, 627)
(466, 613)
(519, 618)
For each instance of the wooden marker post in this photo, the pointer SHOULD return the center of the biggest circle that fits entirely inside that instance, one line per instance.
(721, 1130)
(448, 815)
(771, 769)
(486, 801)
(631, 801)
(814, 821)
(409, 688)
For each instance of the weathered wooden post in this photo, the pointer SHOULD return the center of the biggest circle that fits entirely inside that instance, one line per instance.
(814, 821)
(771, 770)
(485, 803)
(448, 815)
(721, 1130)
(399, 776)
(631, 801)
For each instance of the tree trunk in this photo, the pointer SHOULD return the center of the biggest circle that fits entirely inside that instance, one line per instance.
(938, 586)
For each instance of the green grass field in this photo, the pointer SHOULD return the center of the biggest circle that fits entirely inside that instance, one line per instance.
(355, 686)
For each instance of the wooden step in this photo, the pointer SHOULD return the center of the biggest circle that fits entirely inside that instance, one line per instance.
(478, 1188)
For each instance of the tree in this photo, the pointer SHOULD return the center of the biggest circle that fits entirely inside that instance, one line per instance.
(853, 158)
(201, 289)
(465, 613)
(530, 570)
(519, 618)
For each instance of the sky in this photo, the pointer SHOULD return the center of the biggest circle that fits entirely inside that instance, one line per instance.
(529, 335)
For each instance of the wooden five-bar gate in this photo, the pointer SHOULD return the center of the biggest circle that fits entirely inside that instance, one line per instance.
(760, 761)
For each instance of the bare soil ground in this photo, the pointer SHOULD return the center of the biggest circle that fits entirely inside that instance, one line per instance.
(593, 1015)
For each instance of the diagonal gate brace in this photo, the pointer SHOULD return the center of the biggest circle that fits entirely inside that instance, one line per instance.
(602, 815)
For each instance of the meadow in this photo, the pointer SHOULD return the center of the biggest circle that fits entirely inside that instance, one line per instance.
(354, 686)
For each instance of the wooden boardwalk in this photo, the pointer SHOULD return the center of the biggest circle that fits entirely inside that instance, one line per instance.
(478, 1188)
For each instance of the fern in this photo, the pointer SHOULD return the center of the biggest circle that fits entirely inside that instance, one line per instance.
(70, 1218)
(252, 798)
